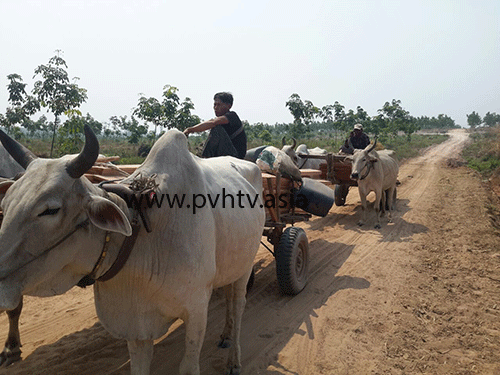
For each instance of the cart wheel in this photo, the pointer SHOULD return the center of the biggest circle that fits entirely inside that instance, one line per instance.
(292, 260)
(341, 191)
(251, 280)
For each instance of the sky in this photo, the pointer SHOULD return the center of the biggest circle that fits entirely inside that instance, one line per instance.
(437, 57)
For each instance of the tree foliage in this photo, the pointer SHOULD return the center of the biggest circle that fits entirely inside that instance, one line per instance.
(53, 90)
(169, 113)
(303, 114)
(132, 129)
(473, 120)
(70, 133)
(491, 119)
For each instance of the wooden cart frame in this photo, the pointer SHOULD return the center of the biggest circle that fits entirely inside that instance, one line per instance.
(336, 169)
(290, 246)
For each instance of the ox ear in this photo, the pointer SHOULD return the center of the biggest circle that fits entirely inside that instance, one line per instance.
(106, 215)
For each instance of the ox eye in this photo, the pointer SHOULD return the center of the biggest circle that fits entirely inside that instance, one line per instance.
(49, 211)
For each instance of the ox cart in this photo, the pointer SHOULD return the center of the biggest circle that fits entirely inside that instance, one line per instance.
(286, 203)
(281, 198)
(337, 170)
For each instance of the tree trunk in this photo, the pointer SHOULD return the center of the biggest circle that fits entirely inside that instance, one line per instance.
(54, 134)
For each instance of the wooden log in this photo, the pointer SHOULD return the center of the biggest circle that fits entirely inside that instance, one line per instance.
(107, 159)
(310, 173)
(129, 168)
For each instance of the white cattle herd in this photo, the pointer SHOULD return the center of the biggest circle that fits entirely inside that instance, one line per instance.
(60, 230)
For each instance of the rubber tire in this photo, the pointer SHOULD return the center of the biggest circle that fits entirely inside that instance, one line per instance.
(341, 192)
(292, 261)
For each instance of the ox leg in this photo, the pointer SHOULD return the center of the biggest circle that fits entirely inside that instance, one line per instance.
(390, 201)
(12, 351)
(235, 305)
(378, 200)
(226, 337)
(362, 196)
(195, 321)
(141, 354)
(383, 202)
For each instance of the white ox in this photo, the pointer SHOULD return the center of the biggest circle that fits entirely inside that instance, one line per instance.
(9, 168)
(57, 224)
(309, 163)
(375, 171)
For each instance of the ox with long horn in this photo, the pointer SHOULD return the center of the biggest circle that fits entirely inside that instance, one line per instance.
(75, 168)
(87, 157)
(283, 142)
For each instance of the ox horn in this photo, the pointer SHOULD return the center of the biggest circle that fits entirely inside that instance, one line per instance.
(294, 142)
(374, 144)
(19, 153)
(283, 141)
(87, 157)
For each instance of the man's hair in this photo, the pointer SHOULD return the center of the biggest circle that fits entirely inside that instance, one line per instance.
(224, 97)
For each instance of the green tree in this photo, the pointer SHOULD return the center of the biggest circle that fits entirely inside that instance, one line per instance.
(473, 120)
(71, 132)
(303, 114)
(169, 113)
(22, 104)
(150, 110)
(491, 119)
(133, 130)
(170, 103)
(398, 119)
(266, 136)
(40, 125)
(326, 113)
(55, 92)
(339, 116)
(183, 117)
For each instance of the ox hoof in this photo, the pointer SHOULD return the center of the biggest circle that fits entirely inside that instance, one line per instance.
(360, 223)
(8, 357)
(377, 226)
(224, 343)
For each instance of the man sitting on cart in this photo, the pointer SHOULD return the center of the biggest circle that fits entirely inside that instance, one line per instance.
(227, 136)
(357, 140)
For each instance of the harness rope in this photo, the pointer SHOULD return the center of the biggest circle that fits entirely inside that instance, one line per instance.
(368, 166)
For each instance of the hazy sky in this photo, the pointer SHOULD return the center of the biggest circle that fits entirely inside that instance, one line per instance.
(435, 56)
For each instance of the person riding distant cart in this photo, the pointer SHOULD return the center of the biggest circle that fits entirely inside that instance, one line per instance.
(357, 140)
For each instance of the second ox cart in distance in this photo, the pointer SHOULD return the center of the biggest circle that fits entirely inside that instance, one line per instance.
(337, 170)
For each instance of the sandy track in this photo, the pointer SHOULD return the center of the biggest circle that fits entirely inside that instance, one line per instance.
(350, 319)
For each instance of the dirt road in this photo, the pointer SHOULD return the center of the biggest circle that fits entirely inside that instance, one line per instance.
(421, 295)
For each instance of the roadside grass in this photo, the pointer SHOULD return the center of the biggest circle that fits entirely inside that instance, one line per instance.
(483, 152)
(405, 149)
